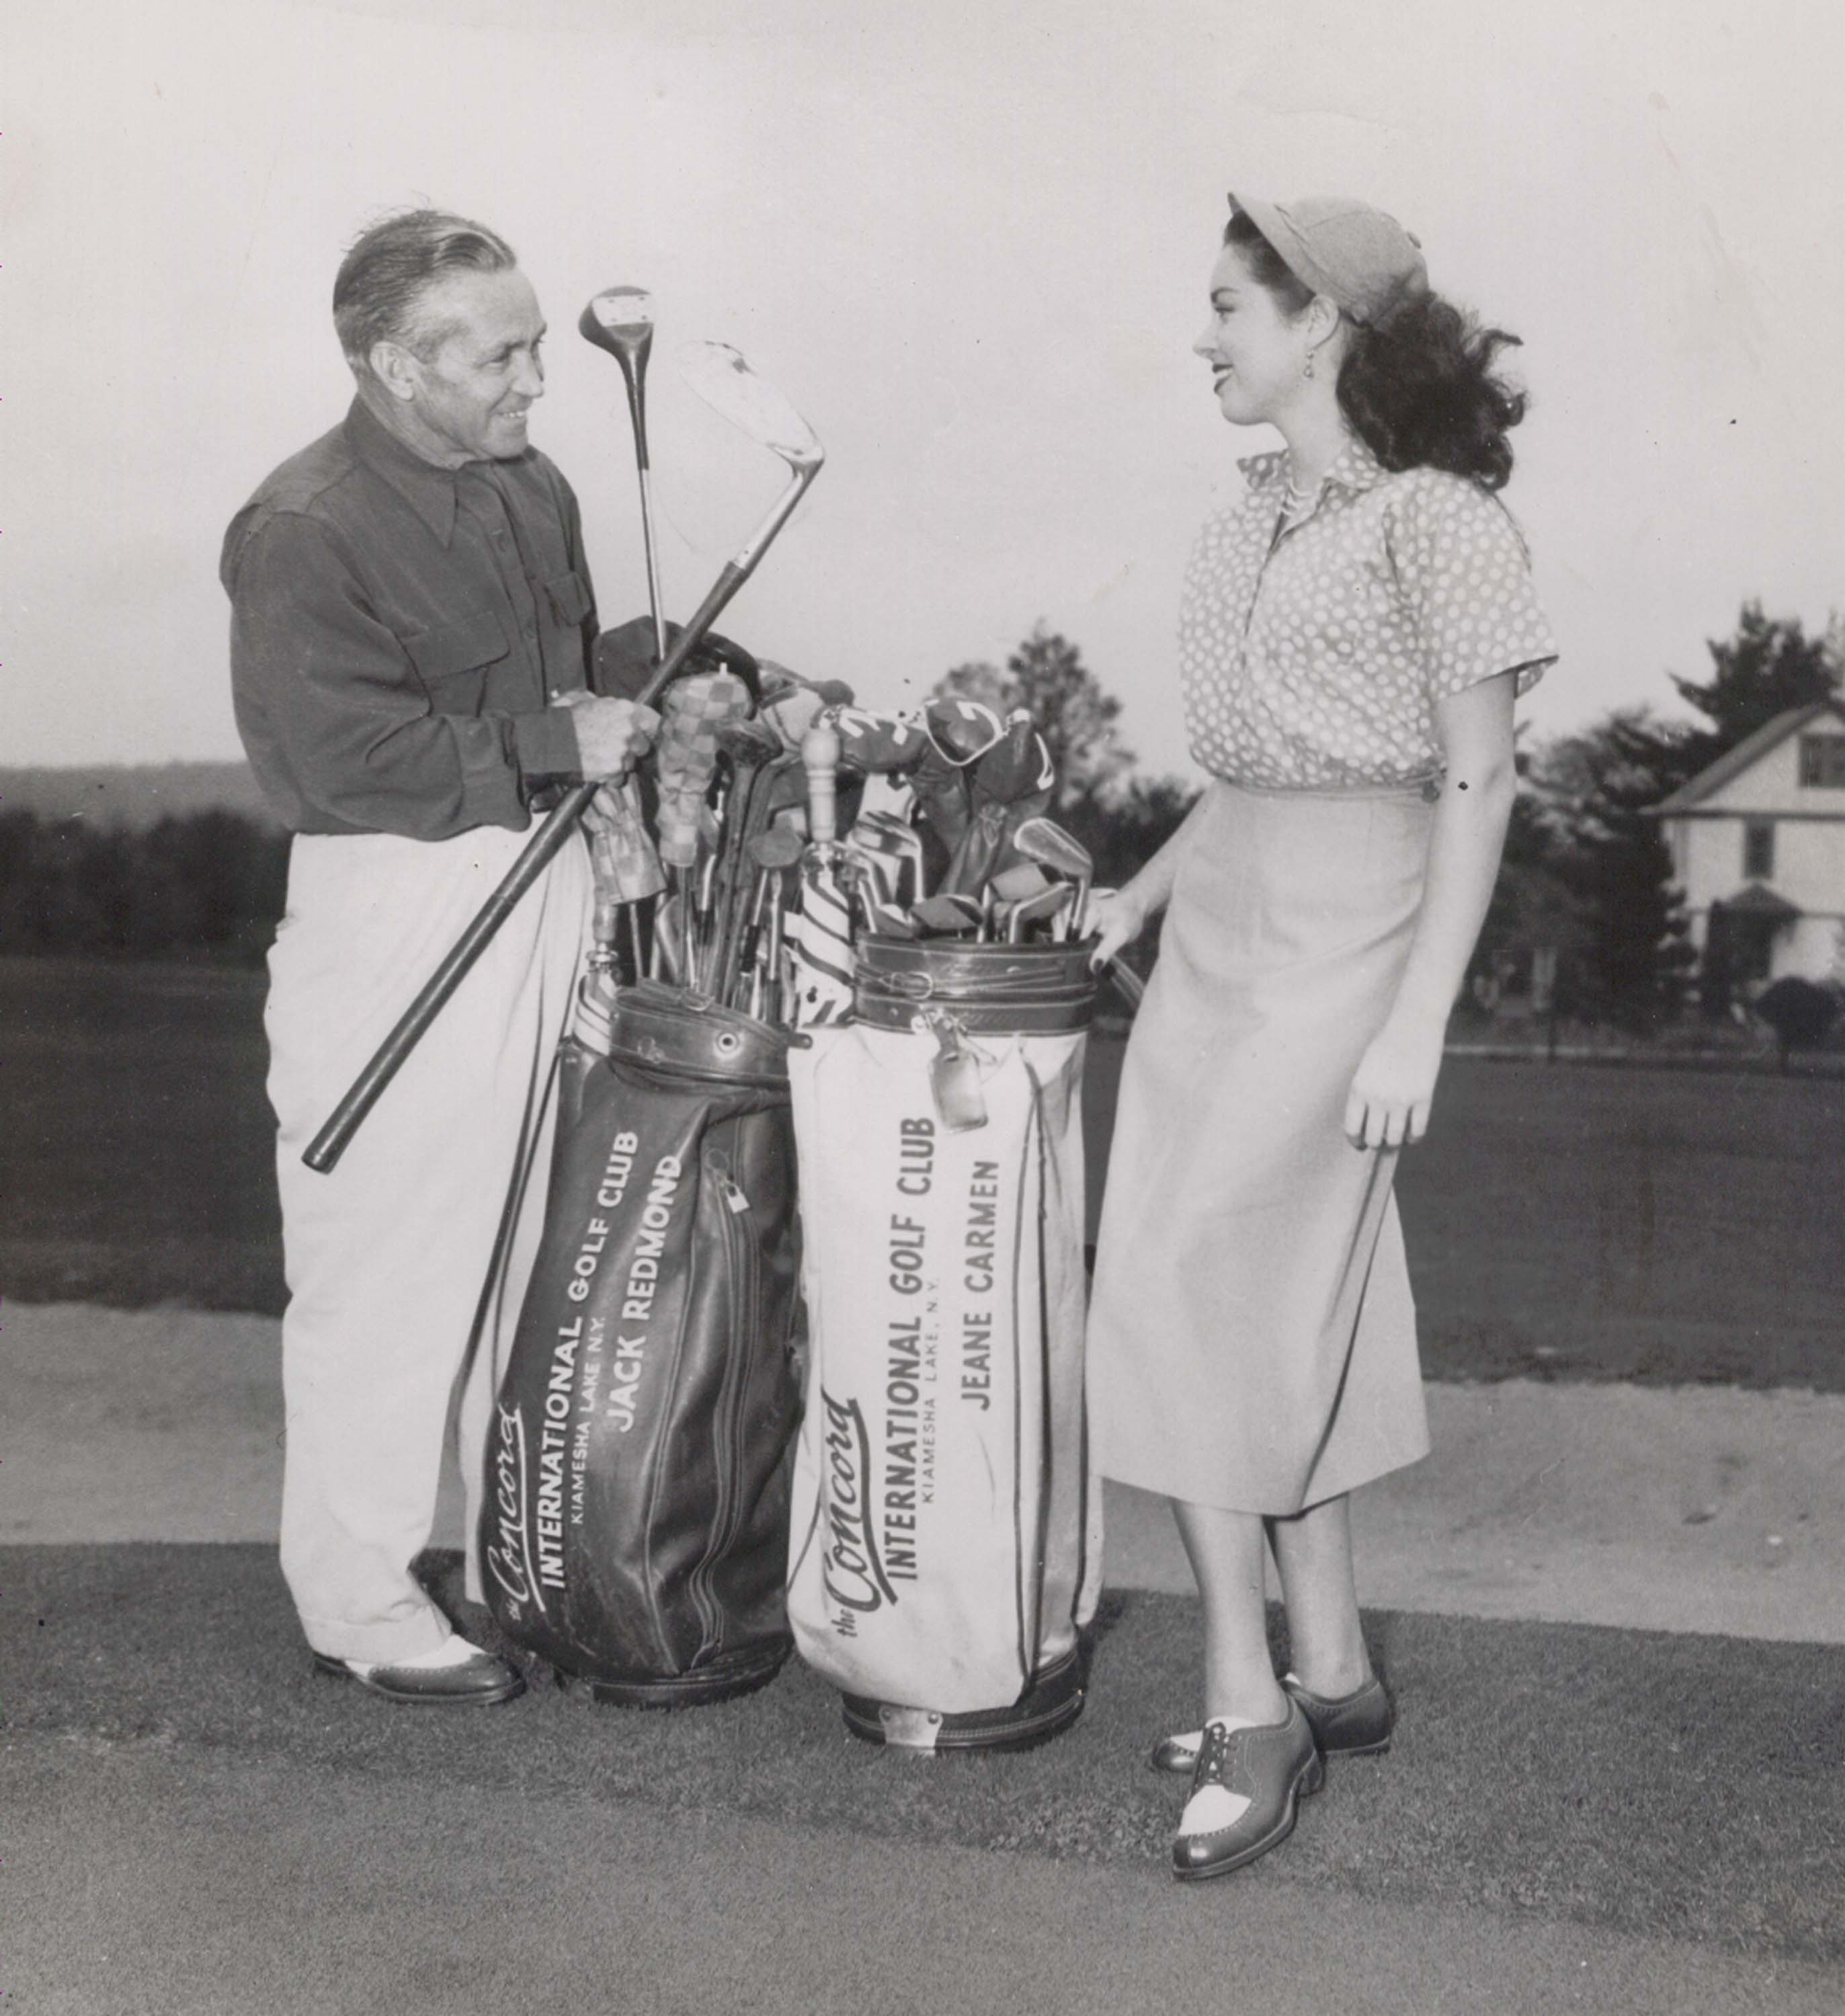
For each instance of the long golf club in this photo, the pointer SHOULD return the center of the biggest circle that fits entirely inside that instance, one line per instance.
(800, 447)
(621, 320)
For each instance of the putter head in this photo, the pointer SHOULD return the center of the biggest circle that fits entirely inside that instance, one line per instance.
(720, 376)
(621, 320)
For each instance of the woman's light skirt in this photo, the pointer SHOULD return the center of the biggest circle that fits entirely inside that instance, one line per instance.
(1251, 1336)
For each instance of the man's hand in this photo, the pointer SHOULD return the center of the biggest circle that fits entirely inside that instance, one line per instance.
(1388, 1106)
(612, 735)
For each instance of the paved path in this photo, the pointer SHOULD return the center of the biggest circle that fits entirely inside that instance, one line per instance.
(172, 1865)
(142, 1878)
(1688, 1509)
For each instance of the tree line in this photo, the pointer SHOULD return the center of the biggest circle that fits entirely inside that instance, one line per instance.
(1586, 890)
(205, 885)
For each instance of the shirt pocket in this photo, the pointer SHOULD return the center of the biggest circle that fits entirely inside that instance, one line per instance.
(569, 597)
(452, 661)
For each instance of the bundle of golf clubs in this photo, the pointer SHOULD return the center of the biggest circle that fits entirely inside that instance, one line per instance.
(762, 897)
(764, 916)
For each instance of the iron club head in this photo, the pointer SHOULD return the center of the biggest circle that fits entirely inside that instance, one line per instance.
(720, 376)
(1044, 841)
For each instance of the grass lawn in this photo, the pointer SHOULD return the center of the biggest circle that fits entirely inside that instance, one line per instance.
(1564, 1220)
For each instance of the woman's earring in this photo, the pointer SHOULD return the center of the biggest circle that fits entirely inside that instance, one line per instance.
(1307, 370)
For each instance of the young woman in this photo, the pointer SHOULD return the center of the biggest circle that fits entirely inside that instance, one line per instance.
(1354, 627)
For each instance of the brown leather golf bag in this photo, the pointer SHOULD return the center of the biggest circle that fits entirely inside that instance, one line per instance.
(634, 1531)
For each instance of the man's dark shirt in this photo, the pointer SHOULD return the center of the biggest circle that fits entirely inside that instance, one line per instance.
(397, 630)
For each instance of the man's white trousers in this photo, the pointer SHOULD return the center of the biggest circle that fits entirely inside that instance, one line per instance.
(406, 1264)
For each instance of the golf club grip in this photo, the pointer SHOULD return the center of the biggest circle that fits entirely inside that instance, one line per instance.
(327, 1146)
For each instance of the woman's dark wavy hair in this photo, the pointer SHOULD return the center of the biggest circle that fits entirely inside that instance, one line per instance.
(1419, 387)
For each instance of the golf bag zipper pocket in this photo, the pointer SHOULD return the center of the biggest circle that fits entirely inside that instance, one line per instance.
(739, 1288)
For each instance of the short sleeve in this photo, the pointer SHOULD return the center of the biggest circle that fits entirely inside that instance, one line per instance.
(1463, 570)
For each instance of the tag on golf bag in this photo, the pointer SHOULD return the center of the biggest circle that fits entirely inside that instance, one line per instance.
(946, 1536)
(635, 1532)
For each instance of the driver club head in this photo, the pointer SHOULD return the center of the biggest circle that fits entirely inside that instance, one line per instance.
(621, 320)
(721, 376)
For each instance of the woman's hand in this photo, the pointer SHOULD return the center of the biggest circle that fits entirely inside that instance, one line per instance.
(1393, 1088)
(1117, 917)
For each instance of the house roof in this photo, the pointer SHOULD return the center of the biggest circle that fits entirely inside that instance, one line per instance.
(1758, 902)
(1771, 735)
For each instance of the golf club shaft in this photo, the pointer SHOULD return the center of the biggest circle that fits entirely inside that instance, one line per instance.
(632, 374)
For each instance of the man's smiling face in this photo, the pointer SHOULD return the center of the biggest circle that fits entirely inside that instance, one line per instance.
(474, 369)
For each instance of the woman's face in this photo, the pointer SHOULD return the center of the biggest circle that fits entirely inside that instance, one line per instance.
(1255, 351)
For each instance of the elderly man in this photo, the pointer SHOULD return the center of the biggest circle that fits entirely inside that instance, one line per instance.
(412, 620)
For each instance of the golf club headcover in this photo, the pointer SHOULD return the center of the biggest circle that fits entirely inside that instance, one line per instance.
(791, 712)
(1016, 766)
(961, 729)
(882, 743)
(791, 708)
(623, 660)
(687, 753)
(1011, 783)
(622, 856)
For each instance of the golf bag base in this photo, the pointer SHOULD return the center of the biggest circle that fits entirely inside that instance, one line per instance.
(722, 1679)
(1047, 1706)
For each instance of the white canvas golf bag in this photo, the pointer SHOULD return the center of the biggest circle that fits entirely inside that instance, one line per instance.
(946, 1544)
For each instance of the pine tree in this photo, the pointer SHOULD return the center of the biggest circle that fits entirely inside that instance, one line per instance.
(1074, 713)
(1769, 666)
(1600, 790)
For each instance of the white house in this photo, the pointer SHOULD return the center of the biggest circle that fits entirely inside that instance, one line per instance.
(1758, 848)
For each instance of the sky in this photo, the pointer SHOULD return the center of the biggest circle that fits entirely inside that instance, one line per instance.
(971, 242)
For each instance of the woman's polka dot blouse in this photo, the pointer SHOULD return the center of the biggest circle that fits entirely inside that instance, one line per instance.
(1311, 658)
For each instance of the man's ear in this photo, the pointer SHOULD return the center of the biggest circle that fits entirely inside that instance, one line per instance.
(395, 367)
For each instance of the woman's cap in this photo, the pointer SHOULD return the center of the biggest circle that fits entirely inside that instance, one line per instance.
(1354, 255)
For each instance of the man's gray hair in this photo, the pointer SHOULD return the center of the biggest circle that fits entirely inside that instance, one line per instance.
(389, 268)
